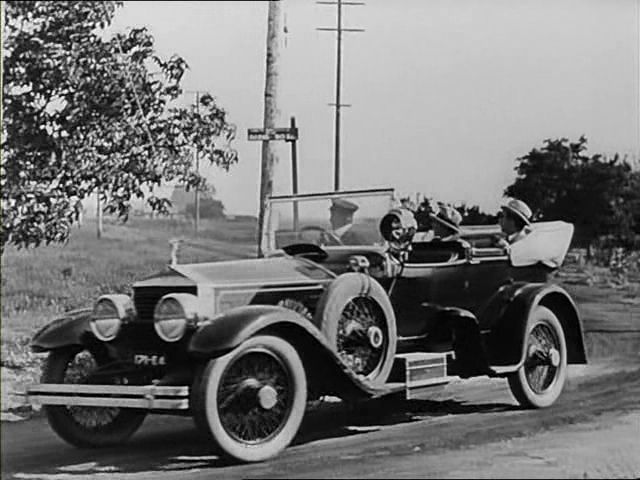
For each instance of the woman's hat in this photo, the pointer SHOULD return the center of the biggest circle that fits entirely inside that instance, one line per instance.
(448, 216)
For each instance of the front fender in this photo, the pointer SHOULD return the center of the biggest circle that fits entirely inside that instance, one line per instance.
(220, 335)
(71, 329)
(504, 323)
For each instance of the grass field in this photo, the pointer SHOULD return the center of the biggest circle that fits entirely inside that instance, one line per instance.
(39, 284)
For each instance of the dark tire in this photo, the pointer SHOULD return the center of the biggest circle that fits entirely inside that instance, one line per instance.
(539, 381)
(85, 427)
(352, 307)
(251, 401)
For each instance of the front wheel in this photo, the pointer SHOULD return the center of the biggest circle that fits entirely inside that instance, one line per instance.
(85, 427)
(539, 381)
(252, 400)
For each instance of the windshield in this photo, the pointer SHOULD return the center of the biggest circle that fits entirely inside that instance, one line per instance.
(333, 219)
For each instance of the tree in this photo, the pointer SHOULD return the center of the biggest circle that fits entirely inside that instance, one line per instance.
(561, 182)
(209, 208)
(472, 215)
(87, 113)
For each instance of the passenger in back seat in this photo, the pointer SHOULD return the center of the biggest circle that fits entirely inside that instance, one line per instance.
(515, 222)
(446, 226)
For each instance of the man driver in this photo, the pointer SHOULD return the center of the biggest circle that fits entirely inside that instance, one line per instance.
(341, 219)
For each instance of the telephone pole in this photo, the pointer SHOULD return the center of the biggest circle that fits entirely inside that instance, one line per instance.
(196, 155)
(339, 29)
(98, 215)
(269, 158)
(197, 159)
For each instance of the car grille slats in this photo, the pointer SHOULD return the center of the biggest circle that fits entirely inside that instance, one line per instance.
(146, 298)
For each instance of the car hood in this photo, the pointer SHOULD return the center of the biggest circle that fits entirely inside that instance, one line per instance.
(281, 270)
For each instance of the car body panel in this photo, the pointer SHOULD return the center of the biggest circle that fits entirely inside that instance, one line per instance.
(504, 323)
(221, 335)
(70, 329)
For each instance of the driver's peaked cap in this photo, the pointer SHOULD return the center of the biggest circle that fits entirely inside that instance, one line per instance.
(340, 204)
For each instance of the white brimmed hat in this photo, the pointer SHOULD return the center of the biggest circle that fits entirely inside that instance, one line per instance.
(519, 209)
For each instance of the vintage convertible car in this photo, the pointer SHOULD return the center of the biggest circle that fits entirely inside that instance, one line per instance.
(244, 345)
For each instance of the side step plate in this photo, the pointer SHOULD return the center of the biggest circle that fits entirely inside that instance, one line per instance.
(420, 371)
(151, 397)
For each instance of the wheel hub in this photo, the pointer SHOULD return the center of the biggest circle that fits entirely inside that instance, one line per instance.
(375, 336)
(267, 397)
(554, 357)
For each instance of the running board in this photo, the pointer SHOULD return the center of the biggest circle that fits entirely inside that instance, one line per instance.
(420, 372)
(148, 397)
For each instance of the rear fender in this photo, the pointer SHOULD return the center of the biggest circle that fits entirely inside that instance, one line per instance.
(326, 370)
(504, 334)
(71, 329)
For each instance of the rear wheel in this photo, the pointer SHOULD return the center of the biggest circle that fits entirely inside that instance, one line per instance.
(252, 400)
(85, 427)
(539, 382)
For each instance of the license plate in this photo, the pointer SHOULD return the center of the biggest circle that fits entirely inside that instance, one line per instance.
(149, 359)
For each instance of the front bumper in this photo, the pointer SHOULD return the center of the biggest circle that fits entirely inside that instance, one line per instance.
(148, 397)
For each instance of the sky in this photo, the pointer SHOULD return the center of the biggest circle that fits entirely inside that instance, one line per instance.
(445, 95)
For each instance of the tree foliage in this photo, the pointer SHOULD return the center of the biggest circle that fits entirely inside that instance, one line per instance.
(209, 208)
(600, 195)
(472, 215)
(86, 112)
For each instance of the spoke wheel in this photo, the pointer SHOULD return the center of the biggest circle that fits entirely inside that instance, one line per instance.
(360, 340)
(79, 370)
(79, 425)
(539, 381)
(252, 400)
(357, 318)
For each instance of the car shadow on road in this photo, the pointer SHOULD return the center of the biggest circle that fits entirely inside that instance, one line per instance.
(174, 445)
(344, 419)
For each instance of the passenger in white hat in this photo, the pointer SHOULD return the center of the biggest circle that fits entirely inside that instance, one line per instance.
(515, 220)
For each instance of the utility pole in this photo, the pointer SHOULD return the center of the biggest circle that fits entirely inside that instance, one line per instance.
(269, 158)
(196, 155)
(99, 215)
(294, 173)
(339, 30)
(197, 158)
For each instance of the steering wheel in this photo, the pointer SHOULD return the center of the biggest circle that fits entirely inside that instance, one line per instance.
(326, 237)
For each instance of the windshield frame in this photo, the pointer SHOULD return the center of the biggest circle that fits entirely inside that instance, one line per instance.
(268, 240)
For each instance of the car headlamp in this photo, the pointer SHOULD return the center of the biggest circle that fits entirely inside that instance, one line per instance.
(108, 314)
(173, 314)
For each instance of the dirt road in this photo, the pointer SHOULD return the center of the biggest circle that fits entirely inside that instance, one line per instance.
(469, 429)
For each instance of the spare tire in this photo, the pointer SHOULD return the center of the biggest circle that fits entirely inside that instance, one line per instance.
(357, 319)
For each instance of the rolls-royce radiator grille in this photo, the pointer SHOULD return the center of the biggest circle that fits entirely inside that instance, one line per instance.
(145, 298)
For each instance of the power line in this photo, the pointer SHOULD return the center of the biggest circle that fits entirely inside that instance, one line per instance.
(339, 29)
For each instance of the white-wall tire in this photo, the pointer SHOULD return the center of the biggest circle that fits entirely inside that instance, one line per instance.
(378, 334)
(262, 379)
(539, 385)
